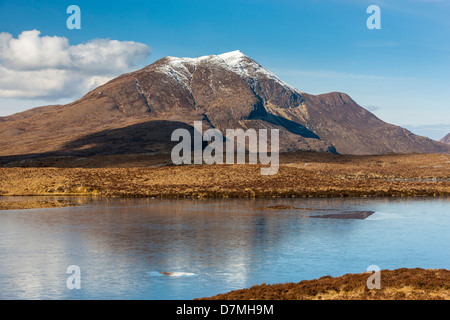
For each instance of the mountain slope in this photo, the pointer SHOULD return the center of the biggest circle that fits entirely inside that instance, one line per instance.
(227, 91)
(446, 139)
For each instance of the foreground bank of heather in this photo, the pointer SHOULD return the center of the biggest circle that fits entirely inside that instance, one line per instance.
(400, 284)
(299, 175)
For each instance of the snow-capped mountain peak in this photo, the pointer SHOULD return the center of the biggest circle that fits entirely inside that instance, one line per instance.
(232, 57)
(247, 69)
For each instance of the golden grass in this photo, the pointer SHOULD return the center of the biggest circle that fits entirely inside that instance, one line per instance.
(299, 175)
(400, 284)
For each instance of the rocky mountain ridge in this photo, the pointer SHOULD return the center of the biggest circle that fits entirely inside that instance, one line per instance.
(136, 113)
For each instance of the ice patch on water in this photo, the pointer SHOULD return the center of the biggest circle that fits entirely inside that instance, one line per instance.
(171, 274)
(383, 216)
(180, 274)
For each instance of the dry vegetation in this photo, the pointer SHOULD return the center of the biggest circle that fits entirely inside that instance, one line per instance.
(35, 204)
(300, 175)
(400, 284)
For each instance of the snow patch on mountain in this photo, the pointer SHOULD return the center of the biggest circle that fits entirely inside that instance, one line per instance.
(247, 68)
(236, 61)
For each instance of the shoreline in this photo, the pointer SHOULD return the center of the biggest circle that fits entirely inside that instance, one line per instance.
(26, 204)
(35, 204)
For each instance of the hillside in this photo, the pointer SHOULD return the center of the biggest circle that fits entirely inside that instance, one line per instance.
(136, 113)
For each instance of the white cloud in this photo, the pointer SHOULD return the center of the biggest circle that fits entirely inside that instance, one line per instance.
(35, 66)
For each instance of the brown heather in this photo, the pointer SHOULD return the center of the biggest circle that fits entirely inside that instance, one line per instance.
(301, 174)
(400, 284)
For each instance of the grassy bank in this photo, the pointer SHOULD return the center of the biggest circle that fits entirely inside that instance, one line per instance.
(400, 284)
(299, 175)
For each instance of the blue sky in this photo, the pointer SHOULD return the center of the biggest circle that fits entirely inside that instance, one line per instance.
(401, 72)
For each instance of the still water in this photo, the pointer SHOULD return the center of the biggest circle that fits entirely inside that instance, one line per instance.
(211, 246)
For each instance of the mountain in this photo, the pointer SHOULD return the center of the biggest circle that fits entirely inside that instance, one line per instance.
(137, 112)
(446, 139)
